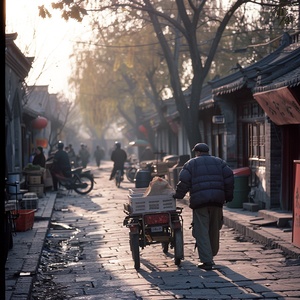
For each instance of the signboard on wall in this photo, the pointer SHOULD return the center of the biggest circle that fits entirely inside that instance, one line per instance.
(218, 119)
(280, 105)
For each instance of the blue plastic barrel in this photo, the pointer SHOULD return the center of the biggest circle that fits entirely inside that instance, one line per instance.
(142, 178)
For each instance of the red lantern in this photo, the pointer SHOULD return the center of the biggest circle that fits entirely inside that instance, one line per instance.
(39, 123)
(143, 130)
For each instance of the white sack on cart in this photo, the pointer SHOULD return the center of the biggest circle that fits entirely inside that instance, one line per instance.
(159, 186)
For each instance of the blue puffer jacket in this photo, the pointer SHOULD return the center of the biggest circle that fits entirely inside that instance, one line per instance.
(209, 180)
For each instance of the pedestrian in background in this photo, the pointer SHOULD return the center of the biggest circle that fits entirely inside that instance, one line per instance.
(98, 155)
(84, 155)
(39, 157)
(210, 182)
(118, 156)
(72, 156)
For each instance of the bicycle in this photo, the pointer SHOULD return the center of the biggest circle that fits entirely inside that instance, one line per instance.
(118, 178)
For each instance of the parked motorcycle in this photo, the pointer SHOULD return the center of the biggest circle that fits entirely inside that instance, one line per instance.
(81, 182)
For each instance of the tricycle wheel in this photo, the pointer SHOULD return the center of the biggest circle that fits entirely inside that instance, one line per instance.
(135, 250)
(178, 246)
(165, 246)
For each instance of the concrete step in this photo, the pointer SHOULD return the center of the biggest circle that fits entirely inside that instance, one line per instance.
(282, 218)
(263, 222)
(250, 206)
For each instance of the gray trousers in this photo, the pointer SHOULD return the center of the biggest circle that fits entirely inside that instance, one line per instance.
(208, 222)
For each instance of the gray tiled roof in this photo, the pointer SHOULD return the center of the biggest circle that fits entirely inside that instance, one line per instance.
(280, 68)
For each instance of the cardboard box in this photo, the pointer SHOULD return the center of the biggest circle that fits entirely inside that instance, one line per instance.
(34, 179)
(38, 189)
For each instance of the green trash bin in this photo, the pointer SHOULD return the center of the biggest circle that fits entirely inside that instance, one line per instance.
(241, 188)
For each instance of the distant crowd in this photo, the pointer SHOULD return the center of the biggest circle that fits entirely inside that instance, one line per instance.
(81, 159)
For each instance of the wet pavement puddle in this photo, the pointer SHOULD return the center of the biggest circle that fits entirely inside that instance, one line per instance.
(61, 249)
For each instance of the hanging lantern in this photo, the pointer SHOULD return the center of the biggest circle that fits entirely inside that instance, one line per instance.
(174, 126)
(39, 123)
(143, 130)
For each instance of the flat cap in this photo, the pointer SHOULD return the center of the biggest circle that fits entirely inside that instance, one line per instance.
(202, 147)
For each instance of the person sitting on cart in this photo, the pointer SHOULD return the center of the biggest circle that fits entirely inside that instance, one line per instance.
(118, 156)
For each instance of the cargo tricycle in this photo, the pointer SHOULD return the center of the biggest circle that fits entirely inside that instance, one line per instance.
(154, 220)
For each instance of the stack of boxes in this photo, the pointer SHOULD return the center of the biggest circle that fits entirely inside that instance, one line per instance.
(35, 183)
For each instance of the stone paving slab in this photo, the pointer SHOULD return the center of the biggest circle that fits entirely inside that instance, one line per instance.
(102, 257)
(24, 257)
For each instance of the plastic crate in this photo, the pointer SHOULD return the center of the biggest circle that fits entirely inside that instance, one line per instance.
(35, 179)
(139, 191)
(25, 219)
(155, 203)
(30, 201)
(29, 195)
(38, 189)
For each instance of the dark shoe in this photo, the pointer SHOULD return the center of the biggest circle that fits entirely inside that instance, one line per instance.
(111, 178)
(205, 266)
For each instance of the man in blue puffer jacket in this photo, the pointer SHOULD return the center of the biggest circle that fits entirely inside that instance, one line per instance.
(210, 182)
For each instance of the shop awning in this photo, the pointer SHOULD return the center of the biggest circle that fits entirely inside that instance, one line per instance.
(280, 105)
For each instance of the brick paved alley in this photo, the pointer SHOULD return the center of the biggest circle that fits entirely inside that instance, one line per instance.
(105, 269)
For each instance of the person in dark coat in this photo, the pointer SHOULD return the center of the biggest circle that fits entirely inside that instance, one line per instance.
(84, 155)
(61, 164)
(99, 155)
(39, 158)
(118, 156)
(210, 183)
